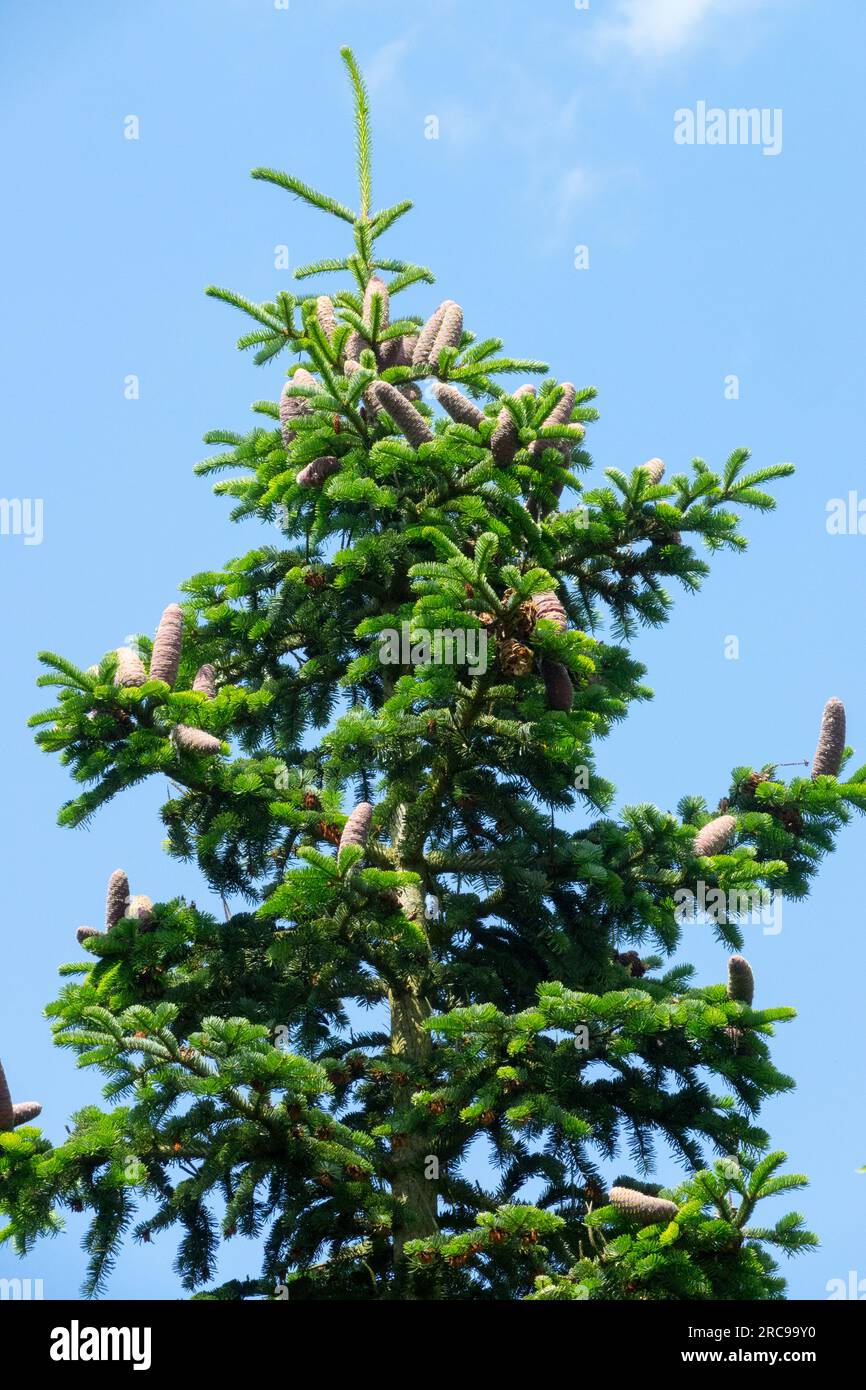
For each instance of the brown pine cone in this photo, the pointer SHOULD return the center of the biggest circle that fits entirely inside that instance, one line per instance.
(357, 827)
(514, 658)
(116, 898)
(205, 681)
(427, 336)
(449, 334)
(195, 740)
(557, 683)
(741, 980)
(714, 836)
(831, 741)
(316, 472)
(633, 963)
(293, 406)
(645, 1210)
(505, 438)
(547, 605)
(130, 668)
(753, 781)
(355, 345)
(141, 909)
(655, 470)
(377, 289)
(457, 405)
(165, 658)
(325, 315)
(559, 415)
(25, 1111)
(12, 1115)
(403, 413)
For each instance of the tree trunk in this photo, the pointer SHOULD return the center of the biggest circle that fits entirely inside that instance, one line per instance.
(413, 1191)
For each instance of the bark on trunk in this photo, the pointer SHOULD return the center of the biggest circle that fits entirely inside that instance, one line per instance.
(413, 1192)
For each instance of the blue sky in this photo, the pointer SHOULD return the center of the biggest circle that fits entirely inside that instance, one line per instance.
(555, 130)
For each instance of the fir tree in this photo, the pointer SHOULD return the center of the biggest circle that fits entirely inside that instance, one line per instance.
(426, 955)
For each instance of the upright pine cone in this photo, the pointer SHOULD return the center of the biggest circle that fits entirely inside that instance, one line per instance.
(557, 682)
(559, 415)
(377, 289)
(449, 334)
(83, 934)
(655, 470)
(293, 406)
(547, 605)
(116, 899)
(316, 472)
(406, 351)
(205, 681)
(325, 316)
(641, 1208)
(831, 741)
(141, 910)
(741, 981)
(355, 345)
(388, 353)
(130, 668)
(195, 740)
(165, 659)
(398, 352)
(427, 336)
(458, 407)
(357, 827)
(12, 1115)
(713, 837)
(505, 438)
(405, 416)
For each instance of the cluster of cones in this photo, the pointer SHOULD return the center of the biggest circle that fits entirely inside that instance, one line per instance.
(164, 666)
(444, 329)
(517, 659)
(640, 1207)
(422, 351)
(120, 904)
(714, 837)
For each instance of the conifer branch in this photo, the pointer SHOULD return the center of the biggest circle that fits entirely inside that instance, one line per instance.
(305, 193)
(362, 131)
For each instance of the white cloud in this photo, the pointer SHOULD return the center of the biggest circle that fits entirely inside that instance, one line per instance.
(382, 67)
(573, 187)
(657, 28)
